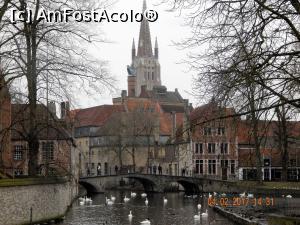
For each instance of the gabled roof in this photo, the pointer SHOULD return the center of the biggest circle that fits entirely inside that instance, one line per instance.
(162, 95)
(210, 111)
(48, 126)
(95, 116)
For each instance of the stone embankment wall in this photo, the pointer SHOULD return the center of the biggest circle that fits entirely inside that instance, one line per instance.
(35, 203)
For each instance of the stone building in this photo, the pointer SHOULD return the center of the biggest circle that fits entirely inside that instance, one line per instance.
(137, 132)
(145, 68)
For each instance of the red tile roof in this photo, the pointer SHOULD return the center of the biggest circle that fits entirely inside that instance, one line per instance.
(95, 116)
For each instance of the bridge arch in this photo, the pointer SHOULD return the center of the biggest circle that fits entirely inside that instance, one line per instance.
(189, 187)
(90, 188)
(149, 185)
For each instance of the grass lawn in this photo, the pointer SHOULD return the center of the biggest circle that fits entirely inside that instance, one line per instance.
(31, 181)
(271, 185)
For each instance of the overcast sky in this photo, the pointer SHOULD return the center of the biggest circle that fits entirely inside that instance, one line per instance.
(169, 27)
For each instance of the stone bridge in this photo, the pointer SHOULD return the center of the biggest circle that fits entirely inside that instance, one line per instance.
(158, 183)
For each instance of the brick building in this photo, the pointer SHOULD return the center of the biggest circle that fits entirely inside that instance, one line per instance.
(5, 121)
(272, 155)
(214, 142)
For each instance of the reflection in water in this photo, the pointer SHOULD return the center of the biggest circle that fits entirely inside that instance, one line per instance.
(177, 211)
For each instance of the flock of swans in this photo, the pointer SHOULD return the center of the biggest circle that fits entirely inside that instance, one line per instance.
(204, 215)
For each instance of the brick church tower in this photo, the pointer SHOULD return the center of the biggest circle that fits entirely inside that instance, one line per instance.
(145, 68)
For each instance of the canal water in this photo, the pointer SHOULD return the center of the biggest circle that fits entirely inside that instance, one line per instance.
(179, 210)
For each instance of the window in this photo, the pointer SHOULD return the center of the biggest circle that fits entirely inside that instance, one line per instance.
(211, 148)
(148, 75)
(47, 149)
(199, 166)
(221, 131)
(232, 166)
(18, 152)
(224, 163)
(207, 130)
(267, 162)
(292, 162)
(224, 148)
(152, 75)
(211, 166)
(198, 148)
(93, 165)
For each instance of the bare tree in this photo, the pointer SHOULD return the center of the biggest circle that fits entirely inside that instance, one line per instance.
(50, 59)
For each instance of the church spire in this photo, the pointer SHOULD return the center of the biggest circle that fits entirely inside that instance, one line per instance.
(133, 51)
(145, 45)
(156, 48)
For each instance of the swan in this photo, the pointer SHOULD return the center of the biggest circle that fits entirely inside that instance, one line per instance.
(113, 198)
(205, 214)
(215, 193)
(223, 195)
(250, 195)
(126, 199)
(209, 195)
(144, 195)
(243, 195)
(133, 194)
(130, 215)
(81, 199)
(81, 203)
(288, 196)
(146, 201)
(89, 200)
(108, 201)
(165, 200)
(146, 222)
(197, 217)
(199, 206)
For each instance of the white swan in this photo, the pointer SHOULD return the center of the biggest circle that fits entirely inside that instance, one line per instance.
(243, 195)
(88, 200)
(81, 199)
(108, 201)
(146, 201)
(133, 194)
(113, 198)
(130, 215)
(81, 203)
(144, 195)
(205, 214)
(199, 206)
(250, 195)
(223, 195)
(289, 196)
(209, 195)
(165, 200)
(146, 222)
(197, 217)
(126, 199)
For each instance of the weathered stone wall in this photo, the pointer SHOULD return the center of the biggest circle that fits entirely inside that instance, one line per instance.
(47, 201)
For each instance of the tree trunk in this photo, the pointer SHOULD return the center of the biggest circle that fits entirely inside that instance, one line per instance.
(254, 122)
(31, 75)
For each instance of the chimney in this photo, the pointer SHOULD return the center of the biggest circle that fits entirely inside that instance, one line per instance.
(65, 108)
(173, 114)
(52, 107)
(123, 95)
